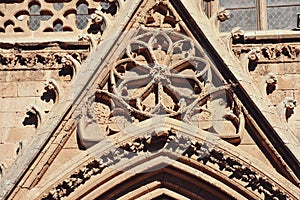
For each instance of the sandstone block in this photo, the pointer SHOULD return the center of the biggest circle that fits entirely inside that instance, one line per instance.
(7, 119)
(288, 82)
(7, 104)
(8, 89)
(29, 89)
(28, 75)
(7, 151)
(16, 104)
(16, 135)
(288, 68)
(278, 96)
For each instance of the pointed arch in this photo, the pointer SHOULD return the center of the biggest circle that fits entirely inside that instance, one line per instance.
(180, 164)
(164, 173)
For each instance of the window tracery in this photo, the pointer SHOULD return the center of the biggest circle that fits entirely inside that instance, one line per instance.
(260, 14)
(162, 74)
(42, 17)
(82, 16)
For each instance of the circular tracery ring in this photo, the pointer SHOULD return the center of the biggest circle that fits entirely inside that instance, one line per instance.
(162, 73)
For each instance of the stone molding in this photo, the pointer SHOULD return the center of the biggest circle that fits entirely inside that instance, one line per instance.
(254, 180)
(270, 53)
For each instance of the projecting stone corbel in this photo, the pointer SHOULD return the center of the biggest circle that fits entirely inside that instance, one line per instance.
(99, 23)
(249, 61)
(52, 91)
(222, 15)
(91, 39)
(34, 117)
(286, 108)
(70, 61)
(289, 105)
(270, 83)
(236, 36)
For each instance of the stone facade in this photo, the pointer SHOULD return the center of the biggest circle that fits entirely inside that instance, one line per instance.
(146, 99)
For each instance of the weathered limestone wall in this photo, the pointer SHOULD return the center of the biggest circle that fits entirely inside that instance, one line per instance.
(28, 92)
(275, 68)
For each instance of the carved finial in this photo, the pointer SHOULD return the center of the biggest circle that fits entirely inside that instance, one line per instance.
(252, 58)
(271, 82)
(66, 62)
(249, 61)
(99, 20)
(52, 91)
(290, 103)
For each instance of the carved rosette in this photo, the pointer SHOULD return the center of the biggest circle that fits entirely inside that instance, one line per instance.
(162, 74)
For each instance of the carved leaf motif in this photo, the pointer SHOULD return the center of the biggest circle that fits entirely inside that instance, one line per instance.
(235, 169)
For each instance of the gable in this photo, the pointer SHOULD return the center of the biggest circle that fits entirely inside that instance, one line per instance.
(156, 72)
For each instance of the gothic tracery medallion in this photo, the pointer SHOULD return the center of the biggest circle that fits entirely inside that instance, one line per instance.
(164, 74)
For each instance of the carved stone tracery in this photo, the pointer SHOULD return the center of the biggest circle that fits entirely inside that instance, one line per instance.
(14, 59)
(44, 16)
(159, 15)
(162, 74)
(271, 52)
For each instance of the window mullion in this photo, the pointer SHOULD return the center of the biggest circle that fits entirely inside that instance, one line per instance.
(214, 7)
(261, 10)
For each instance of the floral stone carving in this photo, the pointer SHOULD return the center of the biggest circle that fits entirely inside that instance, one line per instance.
(162, 74)
(253, 179)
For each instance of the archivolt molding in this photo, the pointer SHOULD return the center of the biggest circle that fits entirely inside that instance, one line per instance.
(254, 180)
